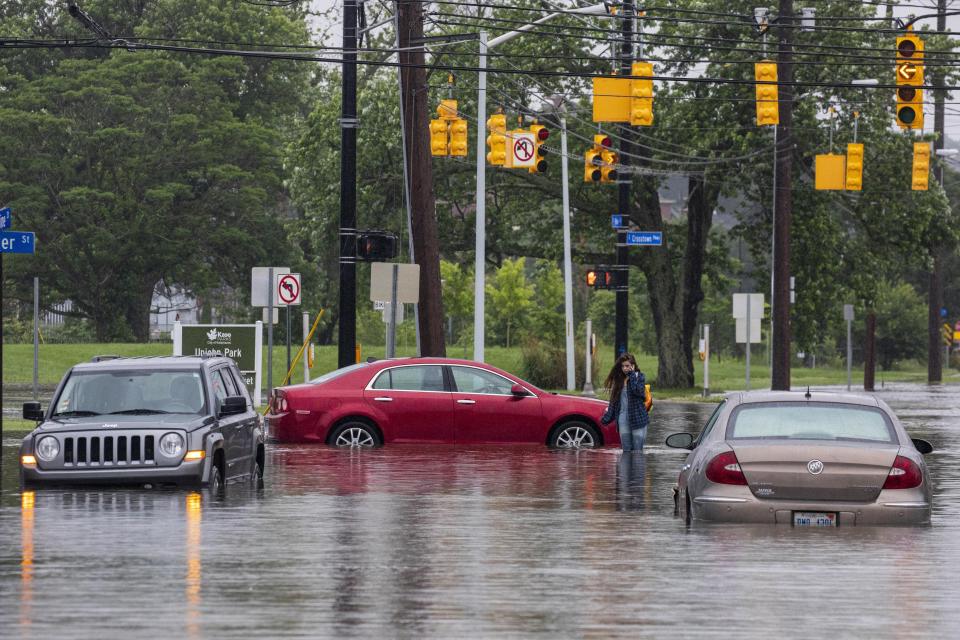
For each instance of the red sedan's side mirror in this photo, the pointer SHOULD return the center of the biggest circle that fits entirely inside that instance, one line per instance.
(518, 391)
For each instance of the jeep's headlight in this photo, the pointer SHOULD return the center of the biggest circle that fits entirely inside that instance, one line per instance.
(48, 448)
(171, 445)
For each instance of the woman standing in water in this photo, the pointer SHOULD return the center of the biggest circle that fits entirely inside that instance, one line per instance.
(625, 385)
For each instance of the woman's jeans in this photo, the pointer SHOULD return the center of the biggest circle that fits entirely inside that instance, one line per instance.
(633, 440)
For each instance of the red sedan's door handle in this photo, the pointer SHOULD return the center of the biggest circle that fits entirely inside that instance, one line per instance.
(466, 402)
(384, 399)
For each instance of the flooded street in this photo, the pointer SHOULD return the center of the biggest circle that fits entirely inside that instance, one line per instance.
(475, 542)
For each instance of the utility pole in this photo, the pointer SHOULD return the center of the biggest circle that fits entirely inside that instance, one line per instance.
(783, 168)
(935, 297)
(347, 339)
(423, 228)
(624, 179)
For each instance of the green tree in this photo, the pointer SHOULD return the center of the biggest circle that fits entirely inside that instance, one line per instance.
(457, 294)
(148, 167)
(511, 296)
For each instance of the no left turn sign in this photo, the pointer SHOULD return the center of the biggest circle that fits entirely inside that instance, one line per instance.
(523, 149)
(288, 289)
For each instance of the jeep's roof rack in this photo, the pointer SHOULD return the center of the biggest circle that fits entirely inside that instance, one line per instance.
(102, 358)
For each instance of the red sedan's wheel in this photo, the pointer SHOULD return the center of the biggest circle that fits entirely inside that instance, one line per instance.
(355, 435)
(575, 435)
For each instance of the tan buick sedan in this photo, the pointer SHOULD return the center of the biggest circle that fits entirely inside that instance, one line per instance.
(804, 459)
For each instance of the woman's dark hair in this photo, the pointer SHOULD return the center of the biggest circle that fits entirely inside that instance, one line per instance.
(614, 382)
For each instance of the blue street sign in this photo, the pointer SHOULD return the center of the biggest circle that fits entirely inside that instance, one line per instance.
(5, 215)
(616, 221)
(645, 238)
(943, 312)
(16, 242)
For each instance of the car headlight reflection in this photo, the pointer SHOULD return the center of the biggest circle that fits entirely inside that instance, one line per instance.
(48, 448)
(171, 445)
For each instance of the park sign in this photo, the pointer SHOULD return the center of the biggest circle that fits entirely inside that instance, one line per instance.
(242, 342)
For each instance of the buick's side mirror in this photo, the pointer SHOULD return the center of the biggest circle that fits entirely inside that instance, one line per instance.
(680, 440)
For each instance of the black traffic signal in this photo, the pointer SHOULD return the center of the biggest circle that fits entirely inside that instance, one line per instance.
(601, 278)
(376, 246)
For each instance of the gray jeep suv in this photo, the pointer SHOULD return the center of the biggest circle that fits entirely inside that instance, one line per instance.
(177, 420)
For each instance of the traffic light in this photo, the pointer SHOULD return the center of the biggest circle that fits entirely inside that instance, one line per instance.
(768, 107)
(438, 138)
(600, 278)
(909, 77)
(921, 166)
(853, 180)
(540, 135)
(641, 95)
(608, 170)
(458, 137)
(376, 246)
(497, 140)
(593, 158)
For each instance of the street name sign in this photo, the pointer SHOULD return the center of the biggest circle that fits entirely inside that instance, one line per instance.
(16, 242)
(5, 215)
(617, 221)
(644, 238)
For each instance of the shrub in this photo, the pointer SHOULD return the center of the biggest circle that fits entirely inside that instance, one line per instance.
(544, 364)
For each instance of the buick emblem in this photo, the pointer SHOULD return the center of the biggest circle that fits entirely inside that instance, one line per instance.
(815, 467)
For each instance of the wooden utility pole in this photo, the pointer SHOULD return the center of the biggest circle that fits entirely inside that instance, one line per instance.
(416, 116)
(783, 169)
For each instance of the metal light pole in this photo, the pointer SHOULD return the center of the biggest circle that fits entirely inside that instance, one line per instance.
(567, 261)
(479, 275)
(347, 337)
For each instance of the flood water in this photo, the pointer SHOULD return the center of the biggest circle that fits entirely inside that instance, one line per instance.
(447, 542)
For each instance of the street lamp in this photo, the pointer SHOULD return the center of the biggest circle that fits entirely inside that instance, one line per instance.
(481, 204)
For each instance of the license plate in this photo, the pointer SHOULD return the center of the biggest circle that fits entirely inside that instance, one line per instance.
(814, 519)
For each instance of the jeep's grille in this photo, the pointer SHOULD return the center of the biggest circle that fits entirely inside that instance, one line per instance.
(113, 450)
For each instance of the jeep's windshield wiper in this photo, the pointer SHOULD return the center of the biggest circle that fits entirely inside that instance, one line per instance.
(68, 414)
(138, 412)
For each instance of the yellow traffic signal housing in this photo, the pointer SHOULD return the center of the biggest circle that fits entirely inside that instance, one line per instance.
(829, 172)
(768, 107)
(458, 137)
(497, 140)
(921, 166)
(593, 158)
(540, 135)
(608, 170)
(448, 110)
(854, 170)
(909, 72)
(439, 138)
(641, 95)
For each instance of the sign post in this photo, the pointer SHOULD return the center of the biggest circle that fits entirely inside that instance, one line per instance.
(397, 283)
(748, 312)
(848, 316)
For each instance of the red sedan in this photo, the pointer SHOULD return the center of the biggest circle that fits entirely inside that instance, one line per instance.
(437, 400)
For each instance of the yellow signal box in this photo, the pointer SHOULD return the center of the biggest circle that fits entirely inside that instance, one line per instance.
(921, 166)
(909, 72)
(608, 170)
(439, 138)
(641, 95)
(768, 107)
(829, 172)
(854, 168)
(497, 140)
(593, 158)
(540, 135)
(458, 137)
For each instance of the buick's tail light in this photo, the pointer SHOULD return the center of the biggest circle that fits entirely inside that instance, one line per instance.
(905, 474)
(278, 401)
(725, 469)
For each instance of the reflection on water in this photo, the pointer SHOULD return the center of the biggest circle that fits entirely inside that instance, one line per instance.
(194, 564)
(473, 542)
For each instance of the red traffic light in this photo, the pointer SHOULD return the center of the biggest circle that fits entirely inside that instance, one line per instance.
(376, 246)
(542, 134)
(606, 142)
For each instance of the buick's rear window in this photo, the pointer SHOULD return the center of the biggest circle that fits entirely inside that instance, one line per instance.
(336, 373)
(810, 421)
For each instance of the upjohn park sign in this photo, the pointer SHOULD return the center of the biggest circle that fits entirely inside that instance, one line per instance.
(242, 342)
